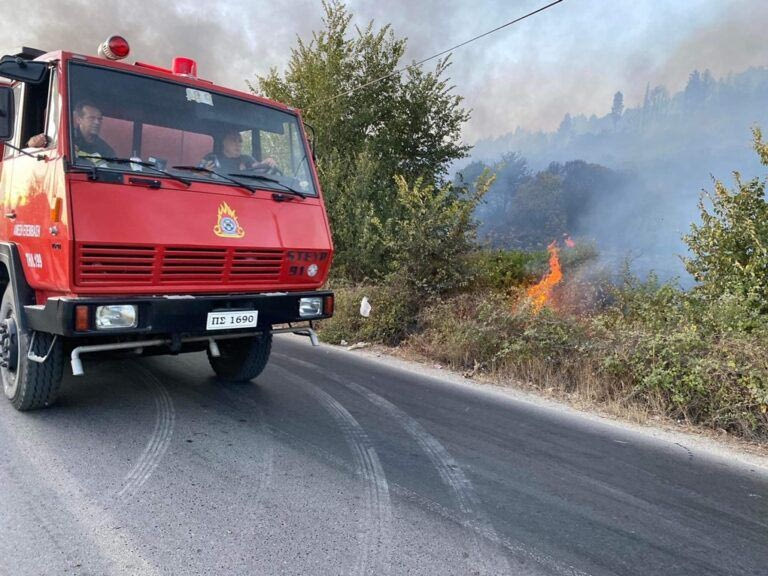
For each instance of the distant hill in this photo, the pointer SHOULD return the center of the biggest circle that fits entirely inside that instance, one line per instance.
(663, 152)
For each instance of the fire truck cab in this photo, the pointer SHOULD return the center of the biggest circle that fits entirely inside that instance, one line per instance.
(148, 211)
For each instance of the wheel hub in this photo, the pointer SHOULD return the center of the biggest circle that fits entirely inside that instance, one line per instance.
(9, 344)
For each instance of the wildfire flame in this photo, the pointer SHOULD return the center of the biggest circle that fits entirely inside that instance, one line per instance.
(569, 242)
(541, 293)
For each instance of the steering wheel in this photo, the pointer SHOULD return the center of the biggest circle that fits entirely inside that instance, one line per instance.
(268, 170)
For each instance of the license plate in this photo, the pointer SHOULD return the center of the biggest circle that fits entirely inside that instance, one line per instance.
(229, 320)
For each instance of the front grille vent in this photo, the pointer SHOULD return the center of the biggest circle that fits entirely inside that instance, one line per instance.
(193, 265)
(255, 265)
(106, 264)
(131, 265)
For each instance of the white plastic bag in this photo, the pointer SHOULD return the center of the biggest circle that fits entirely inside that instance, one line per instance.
(365, 307)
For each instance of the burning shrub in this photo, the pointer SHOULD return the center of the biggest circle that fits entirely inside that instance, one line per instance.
(500, 335)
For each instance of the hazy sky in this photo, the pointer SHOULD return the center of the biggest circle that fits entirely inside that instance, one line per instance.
(571, 58)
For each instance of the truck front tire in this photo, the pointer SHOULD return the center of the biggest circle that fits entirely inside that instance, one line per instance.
(241, 359)
(28, 385)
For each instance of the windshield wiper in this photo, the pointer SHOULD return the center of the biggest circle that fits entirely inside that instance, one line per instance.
(270, 179)
(138, 163)
(223, 176)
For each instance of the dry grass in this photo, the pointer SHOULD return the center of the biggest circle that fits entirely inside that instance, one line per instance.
(605, 361)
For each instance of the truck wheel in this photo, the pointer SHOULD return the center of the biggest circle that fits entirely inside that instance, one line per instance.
(241, 359)
(28, 385)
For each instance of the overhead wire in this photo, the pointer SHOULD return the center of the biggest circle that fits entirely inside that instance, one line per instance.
(441, 53)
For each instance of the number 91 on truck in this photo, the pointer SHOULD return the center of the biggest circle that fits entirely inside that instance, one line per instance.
(149, 211)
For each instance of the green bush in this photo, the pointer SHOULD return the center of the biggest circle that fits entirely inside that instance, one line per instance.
(502, 269)
(690, 356)
(729, 248)
(654, 347)
(393, 315)
(432, 236)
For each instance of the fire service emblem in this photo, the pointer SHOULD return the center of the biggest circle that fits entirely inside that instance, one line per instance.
(228, 226)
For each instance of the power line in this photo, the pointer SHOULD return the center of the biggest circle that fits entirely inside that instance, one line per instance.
(446, 51)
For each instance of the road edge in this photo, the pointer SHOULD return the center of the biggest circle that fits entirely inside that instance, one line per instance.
(731, 451)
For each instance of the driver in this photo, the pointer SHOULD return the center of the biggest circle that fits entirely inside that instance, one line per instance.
(231, 157)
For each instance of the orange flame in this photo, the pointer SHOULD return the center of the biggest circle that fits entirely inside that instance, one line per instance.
(541, 293)
(569, 242)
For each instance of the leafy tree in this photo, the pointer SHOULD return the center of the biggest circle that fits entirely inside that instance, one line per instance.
(405, 125)
(540, 215)
(467, 177)
(730, 247)
(433, 235)
(499, 203)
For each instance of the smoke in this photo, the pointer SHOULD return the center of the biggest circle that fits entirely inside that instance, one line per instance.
(231, 42)
(572, 57)
(733, 41)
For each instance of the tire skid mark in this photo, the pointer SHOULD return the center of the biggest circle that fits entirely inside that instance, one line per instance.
(268, 454)
(518, 551)
(472, 515)
(158, 442)
(377, 541)
(235, 403)
(97, 522)
(452, 475)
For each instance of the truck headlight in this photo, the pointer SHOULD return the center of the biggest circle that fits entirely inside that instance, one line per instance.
(311, 307)
(116, 316)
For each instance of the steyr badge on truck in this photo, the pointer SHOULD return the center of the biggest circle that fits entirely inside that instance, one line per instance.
(148, 211)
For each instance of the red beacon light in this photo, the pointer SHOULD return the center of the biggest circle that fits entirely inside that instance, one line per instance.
(114, 48)
(184, 67)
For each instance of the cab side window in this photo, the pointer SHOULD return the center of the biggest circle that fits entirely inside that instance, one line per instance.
(53, 110)
(17, 96)
(33, 110)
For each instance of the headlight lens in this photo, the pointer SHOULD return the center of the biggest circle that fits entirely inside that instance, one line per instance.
(310, 307)
(116, 316)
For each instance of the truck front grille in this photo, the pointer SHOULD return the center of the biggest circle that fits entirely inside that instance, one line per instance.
(100, 264)
(131, 265)
(255, 265)
(182, 265)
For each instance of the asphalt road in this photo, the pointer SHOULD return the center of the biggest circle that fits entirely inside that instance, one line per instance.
(333, 464)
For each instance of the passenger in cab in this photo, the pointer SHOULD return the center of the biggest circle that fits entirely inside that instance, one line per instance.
(231, 158)
(88, 119)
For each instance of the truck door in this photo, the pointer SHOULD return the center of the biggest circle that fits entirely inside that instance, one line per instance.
(6, 166)
(35, 184)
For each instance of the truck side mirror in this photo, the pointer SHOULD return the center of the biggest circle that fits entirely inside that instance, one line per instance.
(6, 113)
(17, 68)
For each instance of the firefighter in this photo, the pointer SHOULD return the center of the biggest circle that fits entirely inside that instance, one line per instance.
(231, 157)
(88, 118)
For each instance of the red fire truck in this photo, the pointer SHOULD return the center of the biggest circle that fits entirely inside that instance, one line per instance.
(149, 211)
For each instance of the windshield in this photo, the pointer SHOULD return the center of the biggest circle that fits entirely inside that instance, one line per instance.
(164, 124)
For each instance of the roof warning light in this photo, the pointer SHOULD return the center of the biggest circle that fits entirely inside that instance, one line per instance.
(114, 48)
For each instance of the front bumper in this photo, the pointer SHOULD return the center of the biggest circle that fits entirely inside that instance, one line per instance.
(170, 314)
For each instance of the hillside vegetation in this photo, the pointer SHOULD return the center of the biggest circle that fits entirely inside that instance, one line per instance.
(407, 239)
